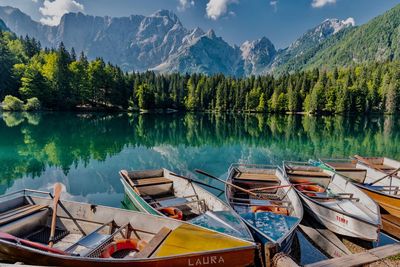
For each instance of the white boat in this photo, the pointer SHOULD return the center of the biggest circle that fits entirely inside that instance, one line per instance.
(376, 176)
(275, 214)
(161, 192)
(335, 201)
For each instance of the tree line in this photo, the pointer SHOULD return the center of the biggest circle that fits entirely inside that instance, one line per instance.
(194, 137)
(62, 80)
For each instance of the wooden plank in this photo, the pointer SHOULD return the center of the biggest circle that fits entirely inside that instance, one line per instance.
(366, 257)
(154, 243)
(151, 181)
(21, 214)
(391, 225)
(14, 211)
(256, 177)
(325, 239)
(309, 173)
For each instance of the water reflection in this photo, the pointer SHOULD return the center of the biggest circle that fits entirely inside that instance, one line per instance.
(86, 151)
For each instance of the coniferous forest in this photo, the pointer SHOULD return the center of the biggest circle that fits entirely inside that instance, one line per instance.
(63, 80)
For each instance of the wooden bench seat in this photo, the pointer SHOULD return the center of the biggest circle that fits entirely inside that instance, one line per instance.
(18, 213)
(257, 177)
(349, 169)
(383, 167)
(151, 181)
(153, 244)
(308, 173)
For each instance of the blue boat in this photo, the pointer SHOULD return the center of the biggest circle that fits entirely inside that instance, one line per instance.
(276, 210)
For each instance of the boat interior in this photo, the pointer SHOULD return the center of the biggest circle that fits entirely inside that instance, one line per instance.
(275, 202)
(315, 183)
(160, 192)
(380, 163)
(179, 199)
(87, 230)
(368, 175)
(264, 182)
(331, 189)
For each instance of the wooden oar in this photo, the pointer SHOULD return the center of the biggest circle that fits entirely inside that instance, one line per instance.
(57, 194)
(281, 186)
(232, 185)
(195, 181)
(392, 174)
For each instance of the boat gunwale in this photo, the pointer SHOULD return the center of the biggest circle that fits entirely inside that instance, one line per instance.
(115, 260)
(333, 209)
(266, 167)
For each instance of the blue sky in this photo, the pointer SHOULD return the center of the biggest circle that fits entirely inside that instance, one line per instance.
(282, 21)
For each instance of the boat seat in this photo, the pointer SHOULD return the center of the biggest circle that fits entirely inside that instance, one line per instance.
(151, 181)
(308, 173)
(154, 243)
(20, 212)
(383, 167)
(173, 202)
(257, 177)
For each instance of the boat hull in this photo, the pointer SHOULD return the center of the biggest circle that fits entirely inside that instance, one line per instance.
(137, 203)
(389, 203)
(14, 253)
(341, 223)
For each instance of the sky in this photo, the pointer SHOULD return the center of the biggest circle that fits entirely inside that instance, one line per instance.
(282, 21)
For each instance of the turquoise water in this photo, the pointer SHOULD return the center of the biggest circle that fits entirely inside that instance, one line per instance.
(85, 151)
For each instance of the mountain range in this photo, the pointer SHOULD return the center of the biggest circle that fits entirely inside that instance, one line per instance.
(161, 43)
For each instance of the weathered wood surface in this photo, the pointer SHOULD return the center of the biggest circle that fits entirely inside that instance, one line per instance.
(366, 257)
(282, 260)
(391, 225)
(325, 240)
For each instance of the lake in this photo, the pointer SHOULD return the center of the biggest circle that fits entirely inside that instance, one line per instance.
(85, 151)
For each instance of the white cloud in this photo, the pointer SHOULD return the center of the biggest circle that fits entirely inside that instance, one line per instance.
(321, 3)
(350, 21)
(52, 11)
(274, 5)
(216, 8)
(184, 4)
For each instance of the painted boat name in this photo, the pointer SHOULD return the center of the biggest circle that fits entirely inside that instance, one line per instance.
(206, 261)
(342, 220)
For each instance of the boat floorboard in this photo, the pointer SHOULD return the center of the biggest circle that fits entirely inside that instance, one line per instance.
(68, 241)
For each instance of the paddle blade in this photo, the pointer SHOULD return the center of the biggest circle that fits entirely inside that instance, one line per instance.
(57, 191)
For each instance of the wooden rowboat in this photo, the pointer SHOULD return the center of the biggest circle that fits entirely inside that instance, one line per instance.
(338, 204)
(161, 192)
(272, 219)
(367, 174)
(91, 235)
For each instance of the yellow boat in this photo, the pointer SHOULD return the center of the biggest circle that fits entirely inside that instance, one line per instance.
(376, 176)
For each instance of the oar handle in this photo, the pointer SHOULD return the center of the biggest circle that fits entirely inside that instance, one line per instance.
(57, 193)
